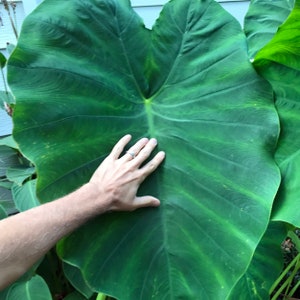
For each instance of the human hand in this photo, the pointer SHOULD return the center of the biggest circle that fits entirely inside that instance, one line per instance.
(118, 178)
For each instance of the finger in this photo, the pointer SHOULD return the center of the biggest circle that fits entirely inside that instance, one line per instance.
(135, 149)
(120, 145)
(145, 152)
(145, 201)
(152, 164)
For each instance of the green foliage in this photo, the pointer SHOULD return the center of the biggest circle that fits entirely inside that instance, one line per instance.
(75, 277)
(279, 63)
(17, 183)
(9, 158)
(262, 21)
(2, 61)
(288, 282)
(33, 289)
(215, 132)
(98, 73)
(255, 283)
(6, 97)
(18, 193)
(3, 213)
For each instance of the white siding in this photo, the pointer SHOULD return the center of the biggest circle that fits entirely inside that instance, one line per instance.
(7, 36)
(6, 31)
(149, 9)
(150, 13)
(5, 123)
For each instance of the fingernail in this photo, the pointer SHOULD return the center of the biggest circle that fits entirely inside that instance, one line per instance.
(156, 202)
(162, 154)
(154, 141)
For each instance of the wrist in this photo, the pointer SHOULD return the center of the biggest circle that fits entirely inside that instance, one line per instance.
(97, 200)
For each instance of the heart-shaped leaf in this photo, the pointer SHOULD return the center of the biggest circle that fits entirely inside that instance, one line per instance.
(98, 73)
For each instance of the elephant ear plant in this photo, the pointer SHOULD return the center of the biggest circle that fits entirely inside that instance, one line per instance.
(86, 72)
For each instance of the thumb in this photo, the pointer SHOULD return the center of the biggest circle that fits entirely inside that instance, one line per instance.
(146, 201)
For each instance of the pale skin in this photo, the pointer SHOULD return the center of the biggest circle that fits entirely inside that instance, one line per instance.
(27, 236)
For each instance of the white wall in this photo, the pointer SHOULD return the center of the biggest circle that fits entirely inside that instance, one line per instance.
(149, 9)
(6, 31)
(150, 12)
(7, 36)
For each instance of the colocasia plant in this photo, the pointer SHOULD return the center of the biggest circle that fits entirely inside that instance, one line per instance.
(223, 102)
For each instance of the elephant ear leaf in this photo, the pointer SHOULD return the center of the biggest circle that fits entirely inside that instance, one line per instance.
(279, 63)
(98, 74)
(262, 21)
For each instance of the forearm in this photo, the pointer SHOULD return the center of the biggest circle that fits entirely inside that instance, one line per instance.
(26, 237)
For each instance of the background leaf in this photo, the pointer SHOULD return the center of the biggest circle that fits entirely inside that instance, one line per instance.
(9, 142)
(19, 174)
(265, 266)
(7, 97)
(2, 60)
(8, 158)
(25, 195)
(262, 21)
(34, 289)
(99, 73)
(75, 277)
(6, 200)
(3, 213)
(279, 62)
(75, 296)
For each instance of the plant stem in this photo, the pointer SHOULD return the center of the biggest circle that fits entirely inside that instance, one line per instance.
(6, 6)
(294, 262)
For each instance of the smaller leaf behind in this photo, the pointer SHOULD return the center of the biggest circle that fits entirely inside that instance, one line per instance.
(279, 63)
(2, 60)
(262, 21)
(34, 289)
(25, 195)
(3, 213)
(75, 277)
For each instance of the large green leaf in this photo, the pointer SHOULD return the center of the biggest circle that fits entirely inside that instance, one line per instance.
(279, 62)
(98, 73)
(262, 21)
